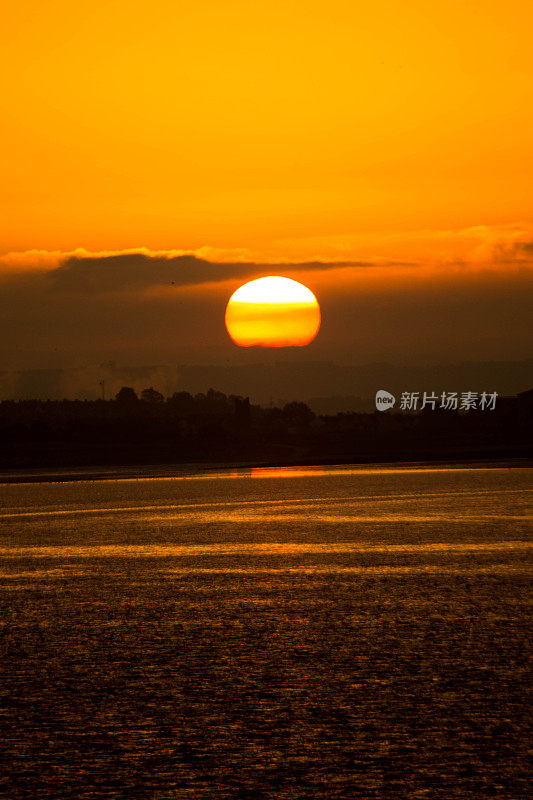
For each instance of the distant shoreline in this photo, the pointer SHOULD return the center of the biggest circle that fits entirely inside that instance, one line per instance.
(143, 471)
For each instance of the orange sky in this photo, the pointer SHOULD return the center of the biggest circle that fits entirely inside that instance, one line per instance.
(288, 129)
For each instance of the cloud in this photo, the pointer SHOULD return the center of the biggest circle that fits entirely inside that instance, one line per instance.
(495, 244)
(85, 272)
(489, 246)
(520, 252)
(137, 270)
(134, 270)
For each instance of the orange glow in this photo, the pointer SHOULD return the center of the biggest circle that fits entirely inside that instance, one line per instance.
(285, 472)
(167, 125)
(273, 312)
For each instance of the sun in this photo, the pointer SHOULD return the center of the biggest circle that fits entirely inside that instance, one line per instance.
(273, 312)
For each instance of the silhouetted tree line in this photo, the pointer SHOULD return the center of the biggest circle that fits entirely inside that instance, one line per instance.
(214, 427)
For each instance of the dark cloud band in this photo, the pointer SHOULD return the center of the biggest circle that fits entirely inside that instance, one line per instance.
(115, 273)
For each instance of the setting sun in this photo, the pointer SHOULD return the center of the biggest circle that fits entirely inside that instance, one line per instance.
(273, 312)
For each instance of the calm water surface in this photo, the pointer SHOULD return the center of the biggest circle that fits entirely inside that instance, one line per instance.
(269, 633)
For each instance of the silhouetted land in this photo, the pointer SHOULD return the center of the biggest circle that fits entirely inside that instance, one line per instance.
(213, 427)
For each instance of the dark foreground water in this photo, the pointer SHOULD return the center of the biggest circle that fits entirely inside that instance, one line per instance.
(285, 633)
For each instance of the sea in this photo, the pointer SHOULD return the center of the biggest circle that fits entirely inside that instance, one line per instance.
(314, 632)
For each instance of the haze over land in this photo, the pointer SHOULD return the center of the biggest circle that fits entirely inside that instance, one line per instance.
(327, 387)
